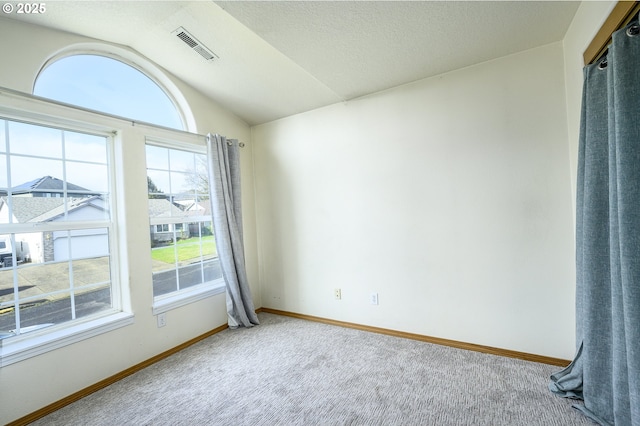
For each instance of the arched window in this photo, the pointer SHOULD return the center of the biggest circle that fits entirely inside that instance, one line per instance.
(108, 85)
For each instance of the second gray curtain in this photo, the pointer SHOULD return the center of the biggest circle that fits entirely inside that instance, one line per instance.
(224, 187)
(606, 370)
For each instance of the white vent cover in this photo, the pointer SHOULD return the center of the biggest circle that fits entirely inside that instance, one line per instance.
(194, 44)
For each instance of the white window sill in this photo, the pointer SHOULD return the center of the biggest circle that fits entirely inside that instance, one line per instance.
(174, 300)
(19, 348)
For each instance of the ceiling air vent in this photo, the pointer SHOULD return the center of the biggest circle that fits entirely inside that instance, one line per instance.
(194, 44)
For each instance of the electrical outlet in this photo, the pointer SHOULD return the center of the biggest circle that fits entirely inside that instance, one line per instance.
(337, 293)
(162, 319)
(374, 298)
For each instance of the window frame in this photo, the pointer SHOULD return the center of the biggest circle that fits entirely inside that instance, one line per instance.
(127, 57)
(21, 106)
(182, 297)
(15, 106)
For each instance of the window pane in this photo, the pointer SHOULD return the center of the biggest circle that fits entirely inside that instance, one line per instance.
(201, 163)
(157, 157)
(92, 285)
(179, 239)
(80, 146)
(55, 209)
(163, 257)
(30, 139)
(86, 178)
(44, 297)
(158, 182)
(38, 280)
(164, 282)
(107, 85)
(94, 208)
(159, 210)
(190, 275)
(212, 269)
(202, 204)
(190, 254)
(27, 173)
(45, 313)
(80, 243)
(48, 292)
(181, 160)
(28, 247)
(95, 270)
(92, 301)
(209, 249)
(61, 272)
(180, 182)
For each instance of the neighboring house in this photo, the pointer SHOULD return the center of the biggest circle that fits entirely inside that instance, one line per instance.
(87, 242)
(195, 210)
(55, 246)
(160, 209)
(41, 201)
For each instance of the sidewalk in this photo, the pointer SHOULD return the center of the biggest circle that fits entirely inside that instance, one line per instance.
(39, 280)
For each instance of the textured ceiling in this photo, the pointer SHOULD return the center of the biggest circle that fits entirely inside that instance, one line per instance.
(356, 48)
(279, 58)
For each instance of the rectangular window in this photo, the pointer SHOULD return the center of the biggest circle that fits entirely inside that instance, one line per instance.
(56, 227)
(183, 248)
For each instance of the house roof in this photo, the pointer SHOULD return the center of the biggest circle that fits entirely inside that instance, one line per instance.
(41, 209)
(193, 208)
(73, 204)
(46, 184)
(161, 207)
(25, 209)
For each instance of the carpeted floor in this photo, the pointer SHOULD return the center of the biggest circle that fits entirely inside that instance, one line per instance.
(295, 372)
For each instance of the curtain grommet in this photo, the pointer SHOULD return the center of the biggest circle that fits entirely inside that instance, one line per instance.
(603, 64)
(633, 30)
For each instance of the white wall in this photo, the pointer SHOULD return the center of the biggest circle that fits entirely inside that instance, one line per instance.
(450, 197)
(32, 384)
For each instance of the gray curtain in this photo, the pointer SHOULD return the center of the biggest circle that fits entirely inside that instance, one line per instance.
(224, 187)
(606, 370)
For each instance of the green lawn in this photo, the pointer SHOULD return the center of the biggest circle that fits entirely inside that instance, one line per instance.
(187, 249)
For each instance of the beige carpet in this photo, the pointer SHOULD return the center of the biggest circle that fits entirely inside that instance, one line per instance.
(294, 372)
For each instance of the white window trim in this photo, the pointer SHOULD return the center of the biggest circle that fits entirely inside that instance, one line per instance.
(20, 107)
(184, 297)
(27, 345)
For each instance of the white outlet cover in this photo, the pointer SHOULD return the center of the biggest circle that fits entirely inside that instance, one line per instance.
(162, 320)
